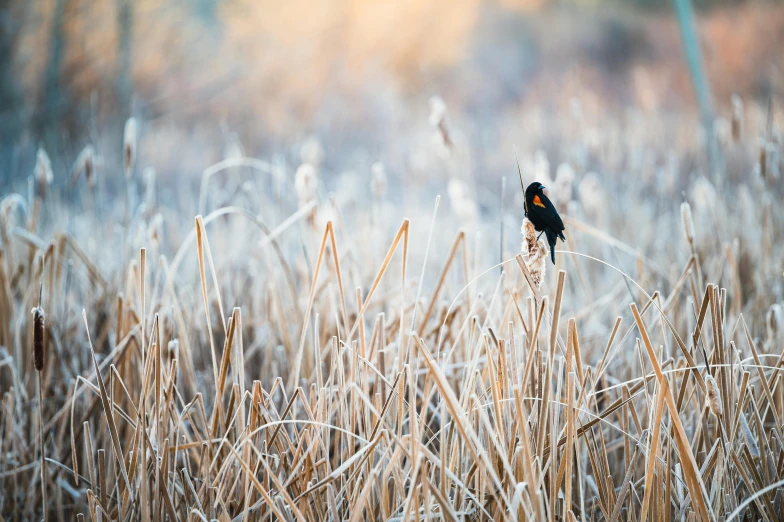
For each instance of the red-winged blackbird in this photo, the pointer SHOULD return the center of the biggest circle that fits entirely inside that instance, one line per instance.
(540, 210)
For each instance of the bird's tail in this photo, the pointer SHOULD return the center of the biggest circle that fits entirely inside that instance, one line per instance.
(552, 238)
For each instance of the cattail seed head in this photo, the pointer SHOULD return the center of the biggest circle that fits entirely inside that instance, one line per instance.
(378, 183)
(43, 173)
(438, 120)
(763, 160)
(564, 178)
(775, 320)
(155, 229)
(129, 145)
(312, 152)
(688, 222)
(536, 252)
(174, 349)
(85, 162)
(38, 337)
(591, 196)
(713, 396)
(462, 202)
(437, 110)
(737, 117)
(305, 185)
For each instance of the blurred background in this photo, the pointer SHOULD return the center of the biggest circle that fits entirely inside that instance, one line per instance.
(351, 79)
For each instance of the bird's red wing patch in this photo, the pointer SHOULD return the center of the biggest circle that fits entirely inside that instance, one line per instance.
(538, 202)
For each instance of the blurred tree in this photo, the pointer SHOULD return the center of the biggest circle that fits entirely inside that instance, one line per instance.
(206, 11)
(125, 58)
(11, 113)
(55, 95)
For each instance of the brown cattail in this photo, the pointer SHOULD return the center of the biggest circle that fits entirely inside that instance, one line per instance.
(38, 337)
(129, 145)
(737, 117)
(536, 262)
(775, 320)
(763, 160)
(713, 396)
(688, 223)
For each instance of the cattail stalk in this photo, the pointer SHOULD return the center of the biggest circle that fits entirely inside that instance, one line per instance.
(39, 359)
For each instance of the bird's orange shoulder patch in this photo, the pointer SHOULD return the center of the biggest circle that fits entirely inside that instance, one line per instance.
(538, 202)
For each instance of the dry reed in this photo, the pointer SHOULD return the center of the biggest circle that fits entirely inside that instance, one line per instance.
(236, 386)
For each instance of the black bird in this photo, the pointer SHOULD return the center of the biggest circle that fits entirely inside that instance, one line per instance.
(540, 210)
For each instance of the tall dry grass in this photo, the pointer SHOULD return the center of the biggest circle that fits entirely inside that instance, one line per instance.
(284, 358)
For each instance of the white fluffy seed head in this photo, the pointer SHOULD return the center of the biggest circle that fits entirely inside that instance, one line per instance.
(43, 173)
(713, 396)
(312, 151)
(43, 167)
(775, 320)
(688, 222)
(462, 203)
(437, 110)
(378, 182)
(564, 179)
(155, 229)
(535, 252)
(305, 183)
(174, 349)
(704, 194)
(541, 168)
(590, 192)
